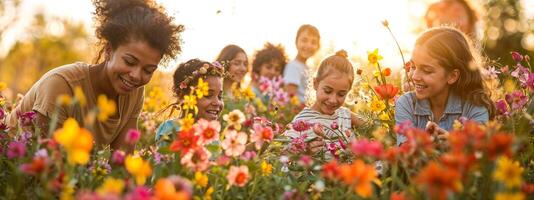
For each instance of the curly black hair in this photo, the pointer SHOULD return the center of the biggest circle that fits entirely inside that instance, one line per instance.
(269, 53)
(121, 21)
(189, 70)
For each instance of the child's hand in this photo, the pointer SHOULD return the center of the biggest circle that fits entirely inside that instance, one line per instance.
(315, 145)
(436, 132)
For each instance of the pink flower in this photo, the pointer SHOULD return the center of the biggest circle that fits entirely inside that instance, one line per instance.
(298, 144)
(516, 56)
(238, 175)
(502, 107)
(16, 149)
(403, 127)
(517, 99)
(334, 125)
(261, 134)
(223, 160)
(234, 143)
(522, 74)
(132, 136)
(118, 157)
(301, 125)
(530, 82)
(209, 130)
(139, 193)
(305, 161)
(2, 114)
(367, 148)
(248, 155)
(197, 159)
(26, 119)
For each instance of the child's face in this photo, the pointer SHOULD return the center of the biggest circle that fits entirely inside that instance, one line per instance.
(430, 78)
(331, 92)
(238, 67)
(307, 44)
(211, 105)
(271, 69)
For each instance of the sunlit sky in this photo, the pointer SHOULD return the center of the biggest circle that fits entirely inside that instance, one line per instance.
(353, 25)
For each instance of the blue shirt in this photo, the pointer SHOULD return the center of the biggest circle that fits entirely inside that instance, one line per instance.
(417, 111)
(169, 128)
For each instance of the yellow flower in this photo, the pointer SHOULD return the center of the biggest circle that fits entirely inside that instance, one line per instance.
(106, 108)
(207, 195)
(201, 180)
(64, 99)
(136, 166)
(78, 93)
(266, 168)
(377, 105)
(67, 192)
(187, 122)
(236, 92)
(508, 172)
(111, 185)
(259, 104)
(190, 103)
(248, 93)
(376, 73)
(509, 86)
(2, 101)
(384, 116)
(77, 141)
(457, 125)
(374, 57)
(202, 88)
(235, 118)
(295, 100)
(3, 86)
(509, 196)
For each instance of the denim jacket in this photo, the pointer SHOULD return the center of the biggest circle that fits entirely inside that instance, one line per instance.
(417, 111)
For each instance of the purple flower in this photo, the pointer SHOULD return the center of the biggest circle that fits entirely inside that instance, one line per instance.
(16, 149)
(517, 99)
(248, 155)
(502, 107)
(516, 56)
(530, 82)
(522, 74)
(27, 118)
(281, 97)
(491, 72)
(118, 157)
(25, 136)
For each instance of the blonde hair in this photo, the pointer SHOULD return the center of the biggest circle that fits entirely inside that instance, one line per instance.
(338, 62)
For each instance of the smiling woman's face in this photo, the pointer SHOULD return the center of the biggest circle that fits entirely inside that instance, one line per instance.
(131, 65)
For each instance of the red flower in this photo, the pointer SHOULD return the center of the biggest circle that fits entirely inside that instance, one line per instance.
(187, 140)
(500, 143)
(386, 91)
(330, 169)
(438, 180)
(386, 71)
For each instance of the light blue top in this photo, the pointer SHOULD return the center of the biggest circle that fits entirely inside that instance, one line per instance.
(417, 111)
(296, 73)
(169, 128)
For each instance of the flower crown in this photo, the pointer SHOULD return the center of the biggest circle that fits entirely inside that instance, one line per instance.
(215, 69)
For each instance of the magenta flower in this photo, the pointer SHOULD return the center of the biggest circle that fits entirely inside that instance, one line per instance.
(118, 157)
(301, 125)
(298, 144)
(2, 114)
(403, 127)
(16, 149)
(334, 125)
(367, 148)
(517, 99)
(516, 56)
(132, 136)
(530, 82)
(305, 161)
(522, 74)
(139, 193)
(248, 155)
(502, 107)
(26, 119)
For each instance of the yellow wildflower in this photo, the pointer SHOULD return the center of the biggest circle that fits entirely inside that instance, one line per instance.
(77, 141)
(236, 92)
(508, 172)
(207, 195)
(259, 104)
(295, 100)
(78, 93)
(3, 86)
(384, 116)
(111, 185)
(266, 168)
(64, 99)
(187, 122)
(376, 73)
(190, 103)
(377, 105)
(202, 88)
(509, 86)
(457, 125)
(235, 118)
(139, 168)
(106, 108)
(2, 101)
(374, 57)
(67, 192)
(509, 196)
(248, 93)
(201, 180)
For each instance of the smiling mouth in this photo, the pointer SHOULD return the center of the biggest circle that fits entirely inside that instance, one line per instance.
(128, 84)
(213, 112)
(420, 87)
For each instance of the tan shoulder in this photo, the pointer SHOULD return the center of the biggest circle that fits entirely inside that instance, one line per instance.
(70, 72)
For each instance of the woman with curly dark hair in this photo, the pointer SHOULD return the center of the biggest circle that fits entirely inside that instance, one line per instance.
(134, 37)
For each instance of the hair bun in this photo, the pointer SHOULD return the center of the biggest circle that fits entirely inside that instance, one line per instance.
(342, 53)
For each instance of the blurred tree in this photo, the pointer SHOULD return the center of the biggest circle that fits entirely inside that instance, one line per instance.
(8, 14)
(507, 29)
(52, 43)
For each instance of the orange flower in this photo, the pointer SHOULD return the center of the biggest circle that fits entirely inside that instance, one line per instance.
(386, 91)
(360, 176)
(330, 169)
(238, 175)
(386, 71)
(439, 180)
(500, 143)
(164, 189)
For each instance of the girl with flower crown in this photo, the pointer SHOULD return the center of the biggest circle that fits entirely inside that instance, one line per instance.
(198, 87)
